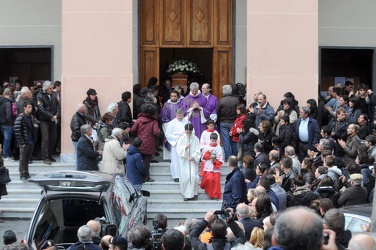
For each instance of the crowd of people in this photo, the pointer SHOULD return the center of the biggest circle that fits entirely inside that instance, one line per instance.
(318, 155)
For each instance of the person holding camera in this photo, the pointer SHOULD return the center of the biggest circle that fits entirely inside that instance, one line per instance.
(219, 231)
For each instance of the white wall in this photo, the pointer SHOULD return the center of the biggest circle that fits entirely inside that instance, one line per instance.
(32, 23)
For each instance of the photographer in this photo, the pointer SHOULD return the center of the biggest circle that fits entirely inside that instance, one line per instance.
(219, 230)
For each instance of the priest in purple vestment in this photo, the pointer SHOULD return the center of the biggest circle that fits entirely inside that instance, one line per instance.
(169, 108)
(193, 105)
(210, 109)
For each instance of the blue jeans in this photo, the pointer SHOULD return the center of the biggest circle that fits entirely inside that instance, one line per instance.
(228, 145)
(7, 134)
(75, 154)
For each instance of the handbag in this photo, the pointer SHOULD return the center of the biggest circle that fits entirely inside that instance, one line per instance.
(4, 176)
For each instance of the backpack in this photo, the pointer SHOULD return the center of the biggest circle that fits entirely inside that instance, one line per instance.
(209, 246)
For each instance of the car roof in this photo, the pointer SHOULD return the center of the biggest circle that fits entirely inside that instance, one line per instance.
(73, 181)
(364, 209)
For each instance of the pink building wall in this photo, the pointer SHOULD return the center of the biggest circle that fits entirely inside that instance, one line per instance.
(96, 53)
(282, 49)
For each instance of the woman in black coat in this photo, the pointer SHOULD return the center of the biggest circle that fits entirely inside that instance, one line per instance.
(248, 137)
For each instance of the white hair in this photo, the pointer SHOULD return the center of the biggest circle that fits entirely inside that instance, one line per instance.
(24, 90)
(227, 89)
(112, 106)
(46, 84)
(117, 131)
(194, 85)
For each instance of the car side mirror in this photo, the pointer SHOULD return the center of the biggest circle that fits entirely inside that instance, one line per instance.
(145, 193)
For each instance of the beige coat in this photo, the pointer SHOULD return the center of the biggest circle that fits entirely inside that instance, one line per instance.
(113, 155)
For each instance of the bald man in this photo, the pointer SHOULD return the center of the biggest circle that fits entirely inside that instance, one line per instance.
(95, 231)
(362, 242)
(105, 242)
(301, 228)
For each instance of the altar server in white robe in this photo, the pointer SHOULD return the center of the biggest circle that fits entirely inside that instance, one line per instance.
(188, 149)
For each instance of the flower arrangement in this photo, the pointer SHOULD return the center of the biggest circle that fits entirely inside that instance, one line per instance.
(183, 66)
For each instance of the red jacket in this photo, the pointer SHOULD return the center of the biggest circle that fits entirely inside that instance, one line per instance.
(238, 123)
(146, 127)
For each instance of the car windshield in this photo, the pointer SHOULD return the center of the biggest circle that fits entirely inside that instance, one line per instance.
(59, 219)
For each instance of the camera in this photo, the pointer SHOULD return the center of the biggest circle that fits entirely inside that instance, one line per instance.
(156, 236)
(223, 212)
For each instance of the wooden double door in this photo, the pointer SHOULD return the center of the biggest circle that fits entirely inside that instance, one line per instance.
(187, 24)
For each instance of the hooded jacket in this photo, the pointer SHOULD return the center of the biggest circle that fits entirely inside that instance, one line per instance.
(136, 170)
(6, 115)
(146, 128)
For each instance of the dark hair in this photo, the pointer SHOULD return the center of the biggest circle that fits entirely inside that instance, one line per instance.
(248, 123)
(126, 95)
(137, 142)
(248, 160)
(188, 127)
(9, 237)
(136, 88)
(286, 162)
(326, 181)
(299, 181)
(264, 182)
(268, 237)
(152, 81)
(353, 168)
(326, 204)
(364, 116)
(26, 103)
(107, 117)
(162, 220)
(321, 170)
(371, 139)
(124, 125)
(266, 125)
(214, 136)
(139, 236)
(173, 239)
(345, 98)
(337, 90)
(362, 86)
(327, 130)
(363, 156)
(219, 228)
(56, 84)
(289, 95)
(264, 205)
(355, 101)
(242, 109)
(286, 118)
(210, 121)
(148, 109)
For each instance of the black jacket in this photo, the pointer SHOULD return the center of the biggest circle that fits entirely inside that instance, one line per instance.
(77, 121)
(6, 114)
(86, 155)
(226, 109)
(22, 129)
(124, 114)
(217, 243)
(47, 107)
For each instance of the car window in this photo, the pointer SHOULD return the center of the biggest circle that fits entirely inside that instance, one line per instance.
(122, 207)
(354, 225)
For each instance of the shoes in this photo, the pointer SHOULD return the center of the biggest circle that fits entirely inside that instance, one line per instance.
(191, 199)
(157, 154)
(149, 179)
(154, 161)
(47, 161)
(159, 150)
(30, 162)
(52, 159)
(28, 176)
(16, 158)
(6, 159)
(23, 178)
(176, 180)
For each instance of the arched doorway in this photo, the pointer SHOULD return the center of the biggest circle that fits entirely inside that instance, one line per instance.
(199, 30)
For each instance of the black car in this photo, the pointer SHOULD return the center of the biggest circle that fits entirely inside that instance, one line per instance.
(71, 198)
